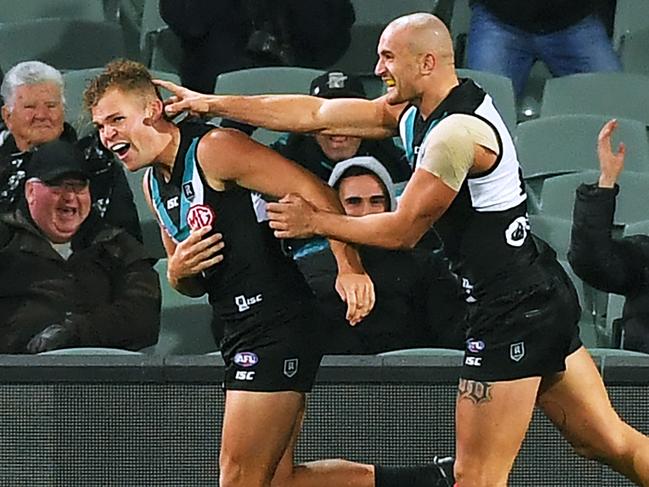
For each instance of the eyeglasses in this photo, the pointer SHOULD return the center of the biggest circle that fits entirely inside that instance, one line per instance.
(66, 186)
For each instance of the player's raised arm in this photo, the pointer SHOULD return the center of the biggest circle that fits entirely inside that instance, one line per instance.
(292, 113)
(229, 155)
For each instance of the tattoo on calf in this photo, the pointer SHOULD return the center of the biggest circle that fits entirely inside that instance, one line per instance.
(476, 392)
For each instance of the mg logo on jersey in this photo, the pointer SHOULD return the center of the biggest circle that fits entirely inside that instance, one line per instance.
(517, 351)
(246, 359)
(173, 203)
(517, 231)
(200, 216)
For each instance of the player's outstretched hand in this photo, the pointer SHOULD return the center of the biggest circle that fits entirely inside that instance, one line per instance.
(357, 290)
(292, 217)
(195, 254)
(184, 100)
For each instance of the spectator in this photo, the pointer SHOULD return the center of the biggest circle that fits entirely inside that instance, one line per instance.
(64, 283)
(619, 266)
(507, 36)
(320, 153)
(418, 299)
(225, 35)
(34, 114)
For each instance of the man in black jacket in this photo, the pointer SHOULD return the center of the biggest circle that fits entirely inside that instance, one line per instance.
(619, 266)
(419, 300)
(33, 114)
(64, 283)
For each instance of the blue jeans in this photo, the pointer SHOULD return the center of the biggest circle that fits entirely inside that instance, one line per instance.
(502, 49)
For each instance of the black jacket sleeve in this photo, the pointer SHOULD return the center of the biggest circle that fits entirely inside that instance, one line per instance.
(132, 319)
(607, 264)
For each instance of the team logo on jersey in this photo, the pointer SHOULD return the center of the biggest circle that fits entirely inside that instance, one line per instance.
(517, 231)
(188, 190)
(475, 346)
(173, 202)
(290, 367)
(200, 216)
(246, 359)
(517, 351)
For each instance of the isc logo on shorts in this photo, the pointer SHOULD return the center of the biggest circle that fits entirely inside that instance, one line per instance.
(473, 361)
(244, 375)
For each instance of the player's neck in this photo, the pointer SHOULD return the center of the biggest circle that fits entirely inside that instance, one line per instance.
(433, 97)
(169, 143)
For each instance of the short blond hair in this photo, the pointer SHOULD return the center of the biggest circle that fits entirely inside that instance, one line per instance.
(126, 75)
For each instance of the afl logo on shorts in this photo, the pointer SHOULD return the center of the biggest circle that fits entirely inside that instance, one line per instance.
(517, 231)
(200, 216)
(475, 346)
(246, 359)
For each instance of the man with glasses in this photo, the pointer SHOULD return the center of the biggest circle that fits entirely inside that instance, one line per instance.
(65, 283)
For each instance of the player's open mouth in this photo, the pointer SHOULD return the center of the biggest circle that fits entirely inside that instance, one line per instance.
(120, 148)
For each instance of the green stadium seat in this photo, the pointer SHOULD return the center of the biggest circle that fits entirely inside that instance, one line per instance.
(630, 17)
(159, 46)
(572, 139)
(558, 195)
(555, 231)
(63, 43)
(459, 27)
(76, 82)
(633, 52)
(416, 352)
(185, 322)
(19, 11)
(621, 95)
(91, 351)
(501, 90)
(258, 81)
(589, 300)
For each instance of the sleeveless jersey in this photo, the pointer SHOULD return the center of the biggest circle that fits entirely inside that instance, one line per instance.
(485, 230)
(255, 279)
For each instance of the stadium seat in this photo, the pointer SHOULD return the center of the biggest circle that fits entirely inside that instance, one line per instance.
(185, 322)
(633, 52)
(148, 222)
(637, 228)
(256, 81)
(76, 82)
(19, 11)
(414, 352)
(630, 17)
(612, 94)
(561, 144)
(501, 90)
(555, 231)
(91, 351)
(558, 195)
(371, 18)
(63, 43)
(590, 301)
(459, 27)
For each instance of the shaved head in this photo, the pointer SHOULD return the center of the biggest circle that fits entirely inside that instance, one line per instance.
(425, 33)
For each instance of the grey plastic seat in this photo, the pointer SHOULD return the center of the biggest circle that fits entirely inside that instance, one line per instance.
(501, 90)
(18, 11)
(413, 352)
(91, 351)
(555, 231)
(258, 81)
(558, 195)
(76, 82)
(633, 52)
(630, 17)
(561, 144)
(63, 43)
(621, 95)
(185, 326)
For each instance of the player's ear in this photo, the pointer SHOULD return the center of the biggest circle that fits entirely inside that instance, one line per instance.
(428, 63)
(154, 111)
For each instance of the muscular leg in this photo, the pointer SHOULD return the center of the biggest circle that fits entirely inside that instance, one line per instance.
(322, 473)
(491, 421)
(257, 429)
(576, 401)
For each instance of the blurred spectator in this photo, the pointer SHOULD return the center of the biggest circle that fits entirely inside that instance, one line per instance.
(419, 302)
(507, 36)
(34, 113)
(225, 35)
(64, 283)
(619, 266)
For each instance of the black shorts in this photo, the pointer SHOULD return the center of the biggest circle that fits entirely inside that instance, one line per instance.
(281, 353)
(524, 333)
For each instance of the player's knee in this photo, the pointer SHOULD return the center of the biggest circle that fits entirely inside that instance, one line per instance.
(233, 473)
(475, 475)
